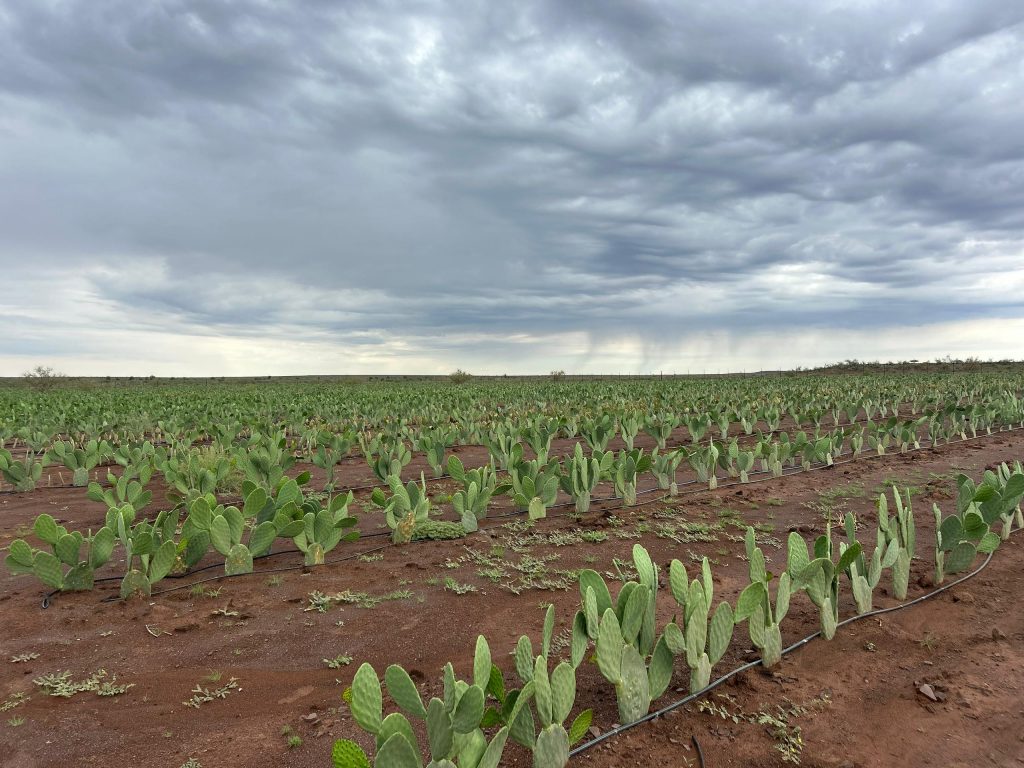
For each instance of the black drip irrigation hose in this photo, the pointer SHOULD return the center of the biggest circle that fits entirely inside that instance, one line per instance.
(516, 513)
(789, 649)
(700, 752)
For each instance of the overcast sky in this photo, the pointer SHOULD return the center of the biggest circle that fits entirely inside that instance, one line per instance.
(344, 187)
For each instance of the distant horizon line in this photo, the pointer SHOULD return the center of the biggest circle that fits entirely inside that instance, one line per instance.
(846, 365)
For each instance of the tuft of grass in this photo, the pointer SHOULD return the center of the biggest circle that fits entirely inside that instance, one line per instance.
(338, 661)
(451, 585)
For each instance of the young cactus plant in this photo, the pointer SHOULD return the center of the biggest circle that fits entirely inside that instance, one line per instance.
(331, 448)
(744, 464)
(961, 537)
(539, 435)
(554, 693)
(390, 462)
(598, 432)
(899, 529)
(534, 487)
(408, 507)
(628, 468)
(265, 460)
(323, 530)
(479, 487)
(80, 461)
(997, 498)
(1002, 478)
(68, 567)
(582, 476)
(702, 643)
(704, 461)
(755, 605)
(124, 489)
(484, 477)
(22, 474)
(455, 738)
(504, 447)
(958, 540)
(664, 466)
(629, 427)
(625, 637)
(150, 548)
(434, 446)
(865, 574)
(659, 427)
(224, 527)
(471, 505)
(820, 577)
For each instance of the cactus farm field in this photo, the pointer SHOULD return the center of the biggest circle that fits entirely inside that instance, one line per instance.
(515, 572)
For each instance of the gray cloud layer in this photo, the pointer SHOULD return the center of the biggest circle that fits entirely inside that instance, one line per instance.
(451, 174)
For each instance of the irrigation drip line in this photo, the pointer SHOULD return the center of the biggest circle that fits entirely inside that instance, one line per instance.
(269, 570)
(700, 752)
(789, 649)
(515, 513)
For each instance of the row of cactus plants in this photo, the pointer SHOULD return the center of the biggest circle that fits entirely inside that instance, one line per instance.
(154, 549)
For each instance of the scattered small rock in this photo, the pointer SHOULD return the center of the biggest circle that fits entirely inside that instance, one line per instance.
(594, 731)
(927, 691)
(997, 634)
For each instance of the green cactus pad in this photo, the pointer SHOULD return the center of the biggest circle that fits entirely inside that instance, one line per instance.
(394, 723)
(960, 557)
(633, 692)
(439, 730)
(492, 755)
(552, 748)
(720, 632)
(367, 701)
(46, 528)
(397, 753)
(700, 675)
(609, 647)
(135, 583)
(469, 710)
(563, 691)
(659, 675)
(47, 569)
(403, 690)
(348, 754)
(79, 578)
(238, 560)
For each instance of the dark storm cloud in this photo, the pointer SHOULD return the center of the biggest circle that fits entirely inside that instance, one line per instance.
(444, 169)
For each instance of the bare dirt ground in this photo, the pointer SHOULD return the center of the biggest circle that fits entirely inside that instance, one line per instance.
(856, 700)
